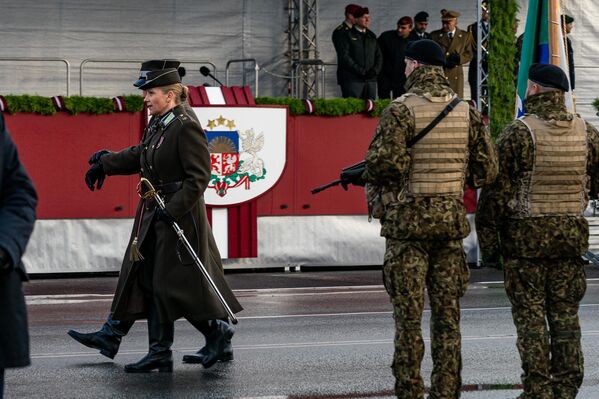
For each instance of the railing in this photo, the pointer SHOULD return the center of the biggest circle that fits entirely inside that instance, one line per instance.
(243, 61)
(121, 61)
(320, 65)
(43, 59)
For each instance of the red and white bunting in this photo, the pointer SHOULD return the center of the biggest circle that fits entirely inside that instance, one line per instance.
(309, 106)
(119, 103)
(369, 106)
(58, 102)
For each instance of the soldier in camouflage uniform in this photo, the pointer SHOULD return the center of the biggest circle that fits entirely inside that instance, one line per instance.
(423, 218)
(533, 217)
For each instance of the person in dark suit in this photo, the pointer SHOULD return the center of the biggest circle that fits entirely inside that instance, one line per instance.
(473, 67)
(568, 23)
(339, 34)
(393, 44)
(157, 281)
(18, 201)
(360, 59)
(420, 26)
(457, 45)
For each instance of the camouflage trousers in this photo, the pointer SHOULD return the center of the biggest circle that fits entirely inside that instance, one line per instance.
(545, 295)
(409, 268)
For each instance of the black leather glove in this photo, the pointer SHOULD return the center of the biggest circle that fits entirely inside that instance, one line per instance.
(5, 263)
(164, 216)
(94, 178)
(453, 60)
(95, 158)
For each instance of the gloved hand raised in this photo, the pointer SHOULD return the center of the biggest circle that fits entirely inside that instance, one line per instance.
(95, 158)
(94, 178)
(164, 216)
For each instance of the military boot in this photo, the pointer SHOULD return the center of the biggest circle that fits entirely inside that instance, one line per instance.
(216, 342)
(226, 356)
(108, 339)
(160, 356)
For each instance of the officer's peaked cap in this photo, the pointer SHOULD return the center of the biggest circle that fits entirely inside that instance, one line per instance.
(448, 15)
(163, 77)
(154, 65)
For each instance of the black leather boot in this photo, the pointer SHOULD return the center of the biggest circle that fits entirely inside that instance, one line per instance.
(160, 356)
(216, 342)
(107, 340)
(226, 356)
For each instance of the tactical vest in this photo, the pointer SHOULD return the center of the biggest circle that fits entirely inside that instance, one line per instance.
(557, 184)
(440, 158)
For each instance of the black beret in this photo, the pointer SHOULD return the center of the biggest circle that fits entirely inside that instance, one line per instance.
(163, 77)
(568, 19)
(426, 52)
(154, 65)
(422, 16)
(548, 75)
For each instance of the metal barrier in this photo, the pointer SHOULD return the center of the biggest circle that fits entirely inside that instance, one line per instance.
(320, 68)
(244, 60)
(43, 59)
(128, 61)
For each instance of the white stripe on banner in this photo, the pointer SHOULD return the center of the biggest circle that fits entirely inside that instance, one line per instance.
(215, 96)
(220, 229)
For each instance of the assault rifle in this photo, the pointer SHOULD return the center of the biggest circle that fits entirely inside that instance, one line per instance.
(349, 175)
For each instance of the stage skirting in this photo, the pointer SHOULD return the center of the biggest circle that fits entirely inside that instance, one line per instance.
(83, 231)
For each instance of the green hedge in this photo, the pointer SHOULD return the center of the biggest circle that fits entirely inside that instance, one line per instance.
(73, 105)
(596, 104)
(102, 105)
(502, 53)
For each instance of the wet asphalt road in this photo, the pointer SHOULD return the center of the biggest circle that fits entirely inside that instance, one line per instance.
(309, 334)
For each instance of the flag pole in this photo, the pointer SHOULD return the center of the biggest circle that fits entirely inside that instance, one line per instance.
(554, 32)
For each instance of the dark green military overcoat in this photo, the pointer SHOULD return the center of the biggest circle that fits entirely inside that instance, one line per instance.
(174, 149)
(461, 44)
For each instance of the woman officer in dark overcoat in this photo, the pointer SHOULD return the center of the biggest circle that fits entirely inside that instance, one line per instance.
(158, 279)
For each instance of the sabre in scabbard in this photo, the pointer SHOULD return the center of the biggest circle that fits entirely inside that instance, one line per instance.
(146, 190)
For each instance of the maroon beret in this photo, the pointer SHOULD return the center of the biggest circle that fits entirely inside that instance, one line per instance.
(405, 21)
(361, 12)
(351, 8)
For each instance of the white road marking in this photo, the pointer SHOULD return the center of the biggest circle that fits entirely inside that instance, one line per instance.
(290, 345)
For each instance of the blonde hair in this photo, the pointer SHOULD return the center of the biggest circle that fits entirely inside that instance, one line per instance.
(181, 92)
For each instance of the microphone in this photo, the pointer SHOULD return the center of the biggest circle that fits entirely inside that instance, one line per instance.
(206, 72)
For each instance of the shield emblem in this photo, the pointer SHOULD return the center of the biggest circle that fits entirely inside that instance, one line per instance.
(247, 151)
(224, 152)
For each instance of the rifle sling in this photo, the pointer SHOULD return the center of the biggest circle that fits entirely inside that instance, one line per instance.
(456, 100)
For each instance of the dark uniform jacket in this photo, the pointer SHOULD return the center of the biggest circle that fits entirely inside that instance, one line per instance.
(360, 56)
(388, 164)
(414, 36)
(392, 74)
(536, 237)
(571, 63)
(472, 68)
(460, 48)
(18, 201)
(174, 150)
(337, 38)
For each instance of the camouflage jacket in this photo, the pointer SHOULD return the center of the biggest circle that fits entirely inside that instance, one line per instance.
(388, 165)
(539, 237)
